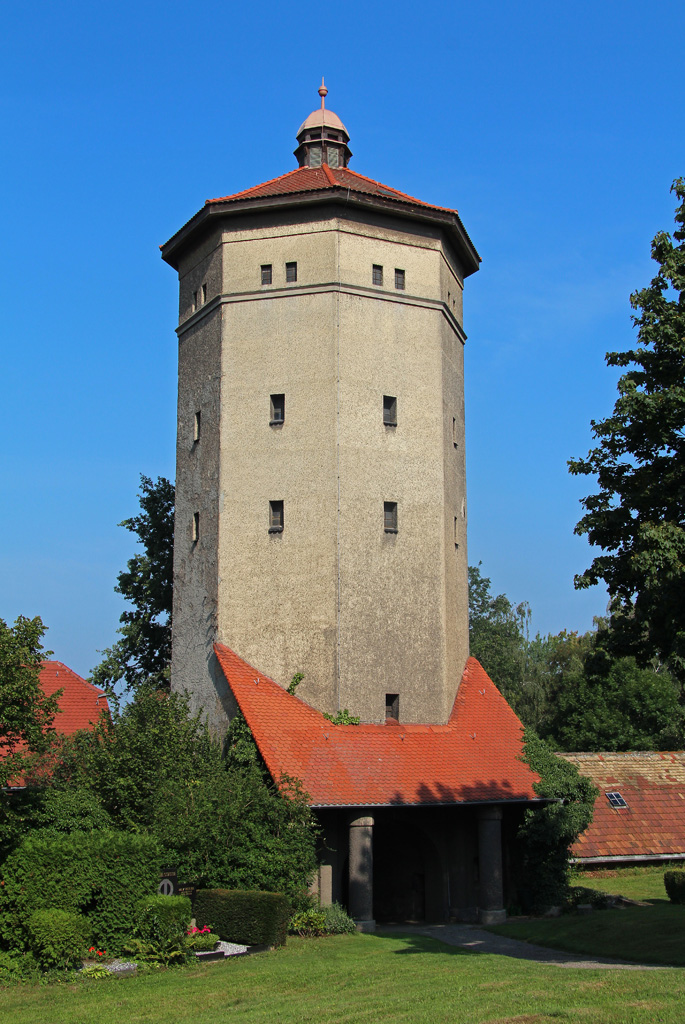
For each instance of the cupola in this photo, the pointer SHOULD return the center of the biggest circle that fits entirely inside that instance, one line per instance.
(323, 138)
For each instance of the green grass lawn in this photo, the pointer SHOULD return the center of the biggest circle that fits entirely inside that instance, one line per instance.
(645, 883)
(360, 978)
(652, 934)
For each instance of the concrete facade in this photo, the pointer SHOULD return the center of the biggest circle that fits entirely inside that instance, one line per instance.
(361, 612)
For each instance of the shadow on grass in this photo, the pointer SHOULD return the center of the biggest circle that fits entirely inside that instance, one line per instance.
(421, 944)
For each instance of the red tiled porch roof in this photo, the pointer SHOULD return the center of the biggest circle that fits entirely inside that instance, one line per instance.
(472, 759)
(652, 784)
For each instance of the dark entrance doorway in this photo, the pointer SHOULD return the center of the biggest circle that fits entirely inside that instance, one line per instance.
(405, 873)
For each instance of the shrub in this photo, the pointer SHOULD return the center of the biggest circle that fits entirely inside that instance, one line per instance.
(548, 831)
(338, 921)
(162, 920)
(201, 939)
(100, 875)
(248, 918)
(675, 885)
(308, 922)
(57, 938)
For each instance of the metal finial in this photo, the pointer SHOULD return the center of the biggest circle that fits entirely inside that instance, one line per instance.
(323, 93)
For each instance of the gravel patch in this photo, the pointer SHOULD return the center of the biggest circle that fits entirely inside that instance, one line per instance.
(231, 948)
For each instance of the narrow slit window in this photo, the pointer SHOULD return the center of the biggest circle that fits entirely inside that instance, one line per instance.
(266, 273)
(392, 707)
(456, 531)
(196, 527)
(399, 279)
(455, 439)
(204, 294)
(197, 426)
(193, 305)
(616, 800)
(390, 516)
(290, 273)
(377, 274)
(277, 410)
(389, 410)
(275, 517)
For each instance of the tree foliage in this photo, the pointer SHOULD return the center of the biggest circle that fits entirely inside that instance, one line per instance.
(573, 689)
(216, 815)
(548, 831)
(143, 654)
(637, 517)
(26, 713)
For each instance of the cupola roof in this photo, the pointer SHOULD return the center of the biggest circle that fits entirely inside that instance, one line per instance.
(323, 138)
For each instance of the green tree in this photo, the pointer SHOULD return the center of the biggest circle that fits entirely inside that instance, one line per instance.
(142, 656)
(638, 516)
(498, 634)
(219, 819)
(26, 713)
(607, 703)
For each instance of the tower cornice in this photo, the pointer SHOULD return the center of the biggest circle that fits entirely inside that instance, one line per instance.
(394, 204)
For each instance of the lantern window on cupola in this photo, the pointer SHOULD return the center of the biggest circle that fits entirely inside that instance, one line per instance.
(323, 138)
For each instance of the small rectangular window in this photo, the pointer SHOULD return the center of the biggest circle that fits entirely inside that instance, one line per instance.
(197, 427)
(204, 294)
(266, 273)
(390, 516)
(377, 275)
(275, 517)
(389, 410)
(196, 527)
(193, 305)
(399, 279)
(291, 273)
(277, 409)
(392, 706)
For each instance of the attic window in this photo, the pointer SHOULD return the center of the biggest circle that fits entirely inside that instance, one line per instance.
(377, 274)
(392, 706)
(266, 273)
(616, 800)
(291, 273)
(399, 279)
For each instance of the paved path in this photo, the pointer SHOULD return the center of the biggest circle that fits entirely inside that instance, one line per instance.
(469, 936)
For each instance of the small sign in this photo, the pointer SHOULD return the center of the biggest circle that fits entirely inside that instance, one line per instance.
(168, 885)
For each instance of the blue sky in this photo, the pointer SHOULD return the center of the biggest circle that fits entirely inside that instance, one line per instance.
(556, 130)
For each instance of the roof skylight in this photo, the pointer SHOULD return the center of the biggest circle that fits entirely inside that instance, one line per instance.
(616, 800)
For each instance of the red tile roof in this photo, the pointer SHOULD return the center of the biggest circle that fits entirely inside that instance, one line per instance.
(653, 786)
(316, 179)
(80, 704)
(475, 757)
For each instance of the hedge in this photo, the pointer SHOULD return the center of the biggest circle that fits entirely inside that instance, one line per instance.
(100, 875)
(162, 920)
(674, 882)
(57, 938)
(242, 916)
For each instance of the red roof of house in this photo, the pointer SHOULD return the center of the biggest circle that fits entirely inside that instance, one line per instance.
(316, 179)
(652, 784)
(474, 758)
(80, 704)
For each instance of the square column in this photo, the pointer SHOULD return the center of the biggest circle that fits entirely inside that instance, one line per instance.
(361, 873)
